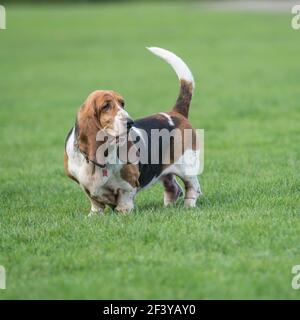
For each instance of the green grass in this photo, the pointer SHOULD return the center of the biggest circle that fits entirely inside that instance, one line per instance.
(241, 241)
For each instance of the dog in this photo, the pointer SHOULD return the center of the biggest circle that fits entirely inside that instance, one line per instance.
(116, 184)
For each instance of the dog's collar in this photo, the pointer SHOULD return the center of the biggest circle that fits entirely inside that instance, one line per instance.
(76, 144)
(92, 161)
(102, 166)
(105, 172)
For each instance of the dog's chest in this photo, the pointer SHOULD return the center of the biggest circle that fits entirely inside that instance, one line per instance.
(101, 184)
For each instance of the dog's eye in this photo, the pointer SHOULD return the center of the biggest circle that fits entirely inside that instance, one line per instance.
(106, 107)
(122, 104)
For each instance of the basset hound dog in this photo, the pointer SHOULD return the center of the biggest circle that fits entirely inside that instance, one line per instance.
(115, 184)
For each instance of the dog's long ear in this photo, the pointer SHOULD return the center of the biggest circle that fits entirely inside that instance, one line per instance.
(87, 126)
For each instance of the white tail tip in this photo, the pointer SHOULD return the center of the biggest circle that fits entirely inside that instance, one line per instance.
(182, 70)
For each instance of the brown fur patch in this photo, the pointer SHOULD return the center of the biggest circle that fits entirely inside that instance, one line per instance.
(182, 123)
(172, 189)
(96, 113)
(130, 173)
(184, 99)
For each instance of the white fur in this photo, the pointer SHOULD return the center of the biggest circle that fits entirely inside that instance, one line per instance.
(120, 123)
(189, 176)
(98, 185)
(170, 121)
(180, 168)
(182, 70)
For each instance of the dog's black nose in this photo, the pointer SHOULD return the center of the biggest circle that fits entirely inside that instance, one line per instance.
(129, 123)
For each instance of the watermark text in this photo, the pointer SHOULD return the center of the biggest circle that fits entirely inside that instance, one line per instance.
(2, 17)
(296, 278)
(2, 278)
(296, 18)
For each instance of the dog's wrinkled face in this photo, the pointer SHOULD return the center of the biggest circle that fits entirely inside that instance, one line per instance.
(103, 110)
(108, 107)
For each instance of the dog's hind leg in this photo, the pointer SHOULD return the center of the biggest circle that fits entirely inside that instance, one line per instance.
(172, 189)
(192, 191)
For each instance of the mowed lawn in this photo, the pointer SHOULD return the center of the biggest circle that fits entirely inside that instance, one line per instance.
(241, 241)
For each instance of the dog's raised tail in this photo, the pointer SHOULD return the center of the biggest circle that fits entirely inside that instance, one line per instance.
(185, 76)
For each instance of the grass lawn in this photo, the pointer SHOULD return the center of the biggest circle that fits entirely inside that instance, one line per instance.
(241, 241)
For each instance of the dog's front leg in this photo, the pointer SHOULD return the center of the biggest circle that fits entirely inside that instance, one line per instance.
(125, 200)
(96, 208)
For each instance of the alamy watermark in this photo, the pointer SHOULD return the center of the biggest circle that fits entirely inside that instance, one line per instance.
(2, 17)
(183, 148)
(2, 278)
(296, 18)
(296, 279)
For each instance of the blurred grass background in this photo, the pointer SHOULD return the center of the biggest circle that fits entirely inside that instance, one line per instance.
(243, 239)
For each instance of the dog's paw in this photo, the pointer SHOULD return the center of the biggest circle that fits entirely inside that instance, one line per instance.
(94, 213)
(190, 203)
(123, 209)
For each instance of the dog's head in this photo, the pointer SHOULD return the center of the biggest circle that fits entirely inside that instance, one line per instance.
(102, 111)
